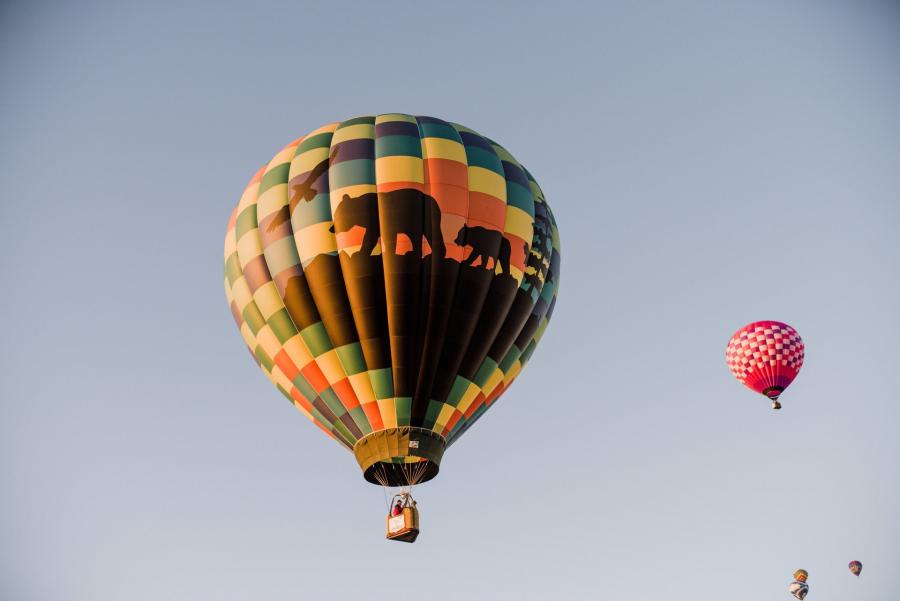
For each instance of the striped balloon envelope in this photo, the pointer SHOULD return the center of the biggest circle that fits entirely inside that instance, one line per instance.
(798, 589)
(765, 356)
(392, 275)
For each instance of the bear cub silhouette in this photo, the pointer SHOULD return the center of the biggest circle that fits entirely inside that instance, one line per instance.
(483, 242)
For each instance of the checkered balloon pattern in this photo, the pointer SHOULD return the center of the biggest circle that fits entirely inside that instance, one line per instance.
(392, 271)
(765, 356)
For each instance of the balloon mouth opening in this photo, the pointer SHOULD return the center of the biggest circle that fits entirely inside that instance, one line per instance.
(773, 392)
(402, 456)
(401, 473)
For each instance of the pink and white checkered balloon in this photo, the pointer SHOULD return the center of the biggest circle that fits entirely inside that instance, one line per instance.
(765, 356)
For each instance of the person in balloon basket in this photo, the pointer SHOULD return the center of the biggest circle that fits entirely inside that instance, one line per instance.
(397, 509)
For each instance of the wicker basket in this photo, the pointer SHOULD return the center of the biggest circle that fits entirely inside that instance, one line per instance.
(404, 527)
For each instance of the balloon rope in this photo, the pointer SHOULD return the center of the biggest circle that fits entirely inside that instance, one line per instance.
(387, 501)
(376, 474)
(414, 474)
(380, 474)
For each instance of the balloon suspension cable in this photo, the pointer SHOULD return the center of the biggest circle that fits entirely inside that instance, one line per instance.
(414, 472)
(407, 473)
(381, 475)
(387, 497)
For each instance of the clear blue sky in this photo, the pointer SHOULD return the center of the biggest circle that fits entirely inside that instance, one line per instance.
(709, 164)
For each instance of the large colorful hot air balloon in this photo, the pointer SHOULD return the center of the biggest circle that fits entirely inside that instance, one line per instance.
(765, 356)
(798, 587)
(855, 567)
(392, 275)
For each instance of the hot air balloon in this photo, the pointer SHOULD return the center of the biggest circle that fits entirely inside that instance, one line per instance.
(765, 356)
(798, 587)
(855, 567)
(392, 275)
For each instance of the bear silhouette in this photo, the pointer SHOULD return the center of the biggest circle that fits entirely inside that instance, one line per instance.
(483, 241)
(410, 212)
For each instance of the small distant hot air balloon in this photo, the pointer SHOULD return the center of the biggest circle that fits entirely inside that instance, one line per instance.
(765, 356)
(798, 587)
(855, 567)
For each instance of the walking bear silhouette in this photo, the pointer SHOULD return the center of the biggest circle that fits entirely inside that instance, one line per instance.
(406, 211)
(483, 242)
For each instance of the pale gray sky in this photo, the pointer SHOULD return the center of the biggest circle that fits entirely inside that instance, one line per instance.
(709, 164)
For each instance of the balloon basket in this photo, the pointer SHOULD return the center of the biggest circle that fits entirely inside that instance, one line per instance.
(405, 526)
